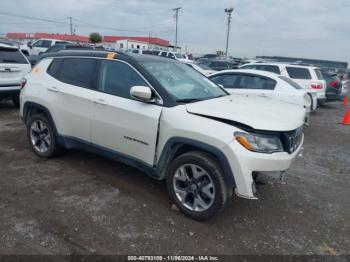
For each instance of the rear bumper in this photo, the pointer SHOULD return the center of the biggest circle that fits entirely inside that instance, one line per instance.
(9, 91)
(321, 101)
(332, 97)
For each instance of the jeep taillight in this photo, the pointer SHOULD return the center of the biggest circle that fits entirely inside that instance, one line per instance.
(23, 83)
(316, 86)
(333, 84)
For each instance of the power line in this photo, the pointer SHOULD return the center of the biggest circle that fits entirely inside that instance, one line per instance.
(79, 23)
(33, 18)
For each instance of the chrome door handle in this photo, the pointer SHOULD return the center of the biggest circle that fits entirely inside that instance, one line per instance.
(53, 89)
(263, 95)
(101, 102)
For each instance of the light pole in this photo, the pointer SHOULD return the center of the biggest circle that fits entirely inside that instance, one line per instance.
(228, 11)
(176, 19)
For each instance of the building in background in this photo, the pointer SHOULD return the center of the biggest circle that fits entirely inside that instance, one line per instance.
(135, 42)
(28, 37)
(110, 42)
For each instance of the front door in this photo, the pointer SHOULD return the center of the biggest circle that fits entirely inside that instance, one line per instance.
(119, 122)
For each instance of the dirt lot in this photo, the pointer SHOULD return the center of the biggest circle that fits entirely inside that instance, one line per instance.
(81, 203)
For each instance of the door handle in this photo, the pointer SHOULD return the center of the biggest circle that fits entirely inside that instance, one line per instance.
(101, 102)
(263, 95)
(53, 89)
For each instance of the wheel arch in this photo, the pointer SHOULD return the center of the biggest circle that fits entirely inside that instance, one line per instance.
(177, 146)
(30, 108)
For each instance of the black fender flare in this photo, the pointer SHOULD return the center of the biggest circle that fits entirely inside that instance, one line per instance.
(175, 143)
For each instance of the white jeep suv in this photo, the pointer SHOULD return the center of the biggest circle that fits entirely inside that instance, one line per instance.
(162, 117)
(308, 77)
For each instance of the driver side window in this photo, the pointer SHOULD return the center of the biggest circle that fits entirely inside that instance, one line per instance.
(117, 78)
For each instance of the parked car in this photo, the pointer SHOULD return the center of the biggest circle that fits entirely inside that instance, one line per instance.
(203, 69)
(173, 55)
(41, 45)
(264, 84)
(219, 65)
(334, 87)
(163, 117)
(308, 77)
(68, 46)
(13, 66)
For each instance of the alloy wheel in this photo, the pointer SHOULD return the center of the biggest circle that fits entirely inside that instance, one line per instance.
(40, 136)
(194, 187)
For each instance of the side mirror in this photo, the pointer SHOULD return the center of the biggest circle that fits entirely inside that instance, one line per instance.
(29, 44)
(142, 93)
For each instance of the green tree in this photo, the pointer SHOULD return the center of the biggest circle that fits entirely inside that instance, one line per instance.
(95, 38)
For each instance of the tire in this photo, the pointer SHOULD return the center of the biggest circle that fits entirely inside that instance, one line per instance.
(46, 145)
(213, 182)
(15, 101)
(312, 102)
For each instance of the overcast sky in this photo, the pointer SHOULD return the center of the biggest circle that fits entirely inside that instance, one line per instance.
(303, 28)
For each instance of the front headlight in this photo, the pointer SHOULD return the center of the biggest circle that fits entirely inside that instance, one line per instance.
(259, 142)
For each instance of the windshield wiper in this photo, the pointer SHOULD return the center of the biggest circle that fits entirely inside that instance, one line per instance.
(188, 100)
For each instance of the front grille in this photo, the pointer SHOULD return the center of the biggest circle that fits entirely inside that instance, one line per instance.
(291, 140)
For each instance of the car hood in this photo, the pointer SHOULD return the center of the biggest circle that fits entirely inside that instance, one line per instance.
(257, 112)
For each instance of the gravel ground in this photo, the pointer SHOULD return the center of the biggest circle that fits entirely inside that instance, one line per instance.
(81, 203)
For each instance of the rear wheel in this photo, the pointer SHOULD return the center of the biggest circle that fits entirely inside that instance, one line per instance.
(196, 185)
(41, 136)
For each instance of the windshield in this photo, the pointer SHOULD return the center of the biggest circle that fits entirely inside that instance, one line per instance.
(183, 82)
(291, 82)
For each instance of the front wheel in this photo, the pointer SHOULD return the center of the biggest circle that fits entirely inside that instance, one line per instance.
(196, 185)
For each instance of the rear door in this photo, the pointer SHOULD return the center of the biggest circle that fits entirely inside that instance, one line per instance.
(118, 122)
(13, 66)
(255, 85)
(69, 92)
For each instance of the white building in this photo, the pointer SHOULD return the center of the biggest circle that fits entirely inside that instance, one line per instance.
(133, 42)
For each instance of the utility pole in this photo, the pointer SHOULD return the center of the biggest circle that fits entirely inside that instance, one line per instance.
(176, 19)
(228, 11)
(70, 24)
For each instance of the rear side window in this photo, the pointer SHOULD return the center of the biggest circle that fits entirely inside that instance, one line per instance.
(256, 82)
(164, 54)
(298, 73)
(117, 78)
(269, 68)
(227, 81)
(319, 74)
(12, 56)
(248, 67)
(73, 71)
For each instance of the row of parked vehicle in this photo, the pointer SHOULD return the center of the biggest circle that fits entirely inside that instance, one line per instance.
(207, 137)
